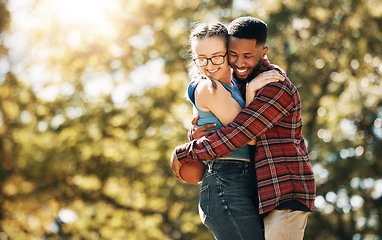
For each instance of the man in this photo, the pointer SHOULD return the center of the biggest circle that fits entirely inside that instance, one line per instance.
(285, 179)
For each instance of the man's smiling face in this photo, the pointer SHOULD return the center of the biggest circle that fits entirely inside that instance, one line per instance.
(245, 57)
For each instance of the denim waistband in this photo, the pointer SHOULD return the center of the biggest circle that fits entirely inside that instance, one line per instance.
(213, 164)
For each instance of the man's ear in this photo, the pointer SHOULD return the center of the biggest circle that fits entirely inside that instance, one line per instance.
(264, 52)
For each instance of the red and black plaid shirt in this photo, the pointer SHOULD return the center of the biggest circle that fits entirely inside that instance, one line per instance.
(283, 167)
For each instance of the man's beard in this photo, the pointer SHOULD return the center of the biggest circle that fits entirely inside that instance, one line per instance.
(252, 74)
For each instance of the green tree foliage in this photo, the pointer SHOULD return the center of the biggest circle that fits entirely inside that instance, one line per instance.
(92, 111)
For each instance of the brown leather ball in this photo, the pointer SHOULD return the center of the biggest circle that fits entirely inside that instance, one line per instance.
(192, 172)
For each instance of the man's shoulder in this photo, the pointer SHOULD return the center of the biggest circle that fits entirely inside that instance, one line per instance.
(290, 87)
(278, 88)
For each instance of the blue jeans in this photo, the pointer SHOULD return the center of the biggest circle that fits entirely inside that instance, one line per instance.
(228, 201)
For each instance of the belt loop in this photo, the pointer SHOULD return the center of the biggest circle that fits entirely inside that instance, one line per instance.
(209, 164)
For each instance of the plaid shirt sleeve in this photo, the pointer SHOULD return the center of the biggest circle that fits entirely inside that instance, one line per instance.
(271, 104)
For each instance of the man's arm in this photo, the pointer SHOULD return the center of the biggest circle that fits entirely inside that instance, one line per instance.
(196, 132)
(271, 104)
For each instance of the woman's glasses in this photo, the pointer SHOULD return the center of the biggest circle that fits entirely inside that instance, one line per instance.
(217, 60)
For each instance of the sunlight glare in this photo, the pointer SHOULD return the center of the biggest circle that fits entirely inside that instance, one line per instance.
(70, 11)
(91, 16)
(377, 191)
(67, 215)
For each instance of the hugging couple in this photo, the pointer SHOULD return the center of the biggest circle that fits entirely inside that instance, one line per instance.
(258, 182)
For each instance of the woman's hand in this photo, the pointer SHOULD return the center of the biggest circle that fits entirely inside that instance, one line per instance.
(260, 81)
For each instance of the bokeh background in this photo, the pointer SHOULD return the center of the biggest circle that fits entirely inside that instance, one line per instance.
(92, 105)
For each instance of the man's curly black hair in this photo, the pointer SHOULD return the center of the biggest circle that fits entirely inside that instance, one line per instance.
(248, 28)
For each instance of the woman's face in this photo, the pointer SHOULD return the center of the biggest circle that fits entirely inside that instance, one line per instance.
(212, 47)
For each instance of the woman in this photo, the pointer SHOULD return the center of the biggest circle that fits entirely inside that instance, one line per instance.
(228, 199)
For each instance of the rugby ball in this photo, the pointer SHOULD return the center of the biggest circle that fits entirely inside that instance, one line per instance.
(192, 172)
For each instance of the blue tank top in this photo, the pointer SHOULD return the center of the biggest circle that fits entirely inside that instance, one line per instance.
(208, 117)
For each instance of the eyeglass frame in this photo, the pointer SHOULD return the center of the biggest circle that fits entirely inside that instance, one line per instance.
(223, 56)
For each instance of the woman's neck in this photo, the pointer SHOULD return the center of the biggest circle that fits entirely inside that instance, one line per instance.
(226, 78)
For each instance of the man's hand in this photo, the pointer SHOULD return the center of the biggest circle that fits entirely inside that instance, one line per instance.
(197, 132)
(175, 165)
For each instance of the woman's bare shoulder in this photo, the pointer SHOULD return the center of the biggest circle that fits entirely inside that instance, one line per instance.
(206, 87)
